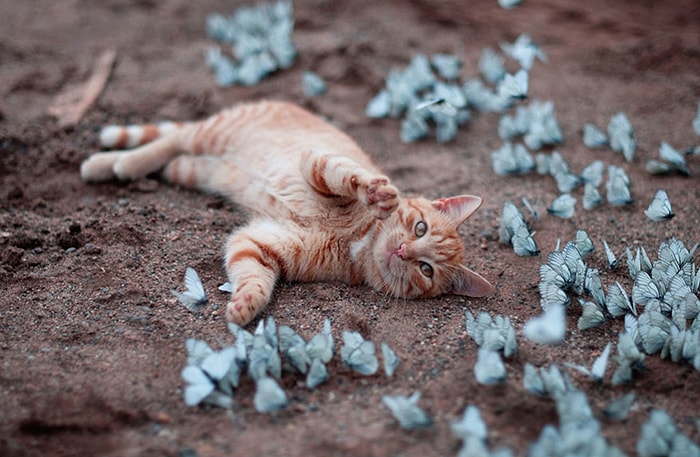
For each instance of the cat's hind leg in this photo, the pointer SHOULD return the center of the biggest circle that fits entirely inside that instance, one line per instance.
(207, 173)
(100, 166)
(256, 256)
(132, 164)
(336, 175)
(148, 158)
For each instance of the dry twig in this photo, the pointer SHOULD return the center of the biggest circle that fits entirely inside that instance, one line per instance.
(71, 105)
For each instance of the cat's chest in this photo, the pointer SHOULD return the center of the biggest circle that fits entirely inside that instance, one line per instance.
(342, 240)
(347, 238)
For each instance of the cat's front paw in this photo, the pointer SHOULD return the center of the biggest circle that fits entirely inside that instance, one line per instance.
(243, 307)
(380, 196)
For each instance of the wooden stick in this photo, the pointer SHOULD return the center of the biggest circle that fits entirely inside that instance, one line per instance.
(71, 105)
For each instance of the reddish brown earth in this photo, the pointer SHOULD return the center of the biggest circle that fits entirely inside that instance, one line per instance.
(91, 340)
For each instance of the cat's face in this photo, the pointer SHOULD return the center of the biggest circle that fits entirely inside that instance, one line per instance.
(419, 252)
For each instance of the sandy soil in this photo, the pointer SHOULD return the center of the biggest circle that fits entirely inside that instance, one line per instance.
(91, 340)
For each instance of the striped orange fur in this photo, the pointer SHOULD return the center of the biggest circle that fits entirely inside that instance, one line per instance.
(320, 210)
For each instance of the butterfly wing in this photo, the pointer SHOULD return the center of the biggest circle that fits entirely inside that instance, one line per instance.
(622, 374)
(318, 374)
(269, 396)
(197, 351)
(660, 207)
(194, 298)
(617, 187)
(552, 295)
(364, 359)
(379, 106)
(226, 287)
(669, 154)
(533, 209)
(471, 425)
(563, 206)
(489, 368)
(532, 381)
(592, 316)
(320, 347)
(523, 242)
(414, 127)
(654, 330)
(557, 263)
(621, 135)
(391, 361)
(294, 348)
(483, 323)
(579, 368)
(627, 349)
(510, 347)
(591, 197)
(645, 291)
(491, 66)
(601, 363)
(619, 409)
(511, 218)
(593, 137)
(312, 84)
(407, 412)
(514, 86)
(523, 159)
(503, 160)
(218, 364)
(594, 286)
(657, 167)
(610, 255)
(199, 386)
(358, 354)
(617, 301)
(194, 284)
(548, 328)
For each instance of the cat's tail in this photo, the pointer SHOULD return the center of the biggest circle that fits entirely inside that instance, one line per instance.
(125, 137)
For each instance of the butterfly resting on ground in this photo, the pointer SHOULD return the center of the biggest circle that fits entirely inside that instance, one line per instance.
(194, 298)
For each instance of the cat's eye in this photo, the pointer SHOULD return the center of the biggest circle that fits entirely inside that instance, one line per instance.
(421, 229)
(426, 269)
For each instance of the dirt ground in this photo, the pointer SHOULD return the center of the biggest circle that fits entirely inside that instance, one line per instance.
(91, 340)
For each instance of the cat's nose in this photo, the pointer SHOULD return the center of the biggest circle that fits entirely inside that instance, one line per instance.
(402, 252)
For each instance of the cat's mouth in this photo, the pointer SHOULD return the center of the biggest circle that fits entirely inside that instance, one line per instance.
(390, 256)
(396, 256)
(399, 252)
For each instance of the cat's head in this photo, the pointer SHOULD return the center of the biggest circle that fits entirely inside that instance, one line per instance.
(419, 252)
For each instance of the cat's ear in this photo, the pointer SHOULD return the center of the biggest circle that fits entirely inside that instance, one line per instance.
(470, 283)
(458, 208)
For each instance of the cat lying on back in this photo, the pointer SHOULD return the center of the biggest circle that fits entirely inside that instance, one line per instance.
(319, 209)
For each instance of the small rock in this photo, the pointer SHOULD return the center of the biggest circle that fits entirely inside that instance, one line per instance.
(91, 249)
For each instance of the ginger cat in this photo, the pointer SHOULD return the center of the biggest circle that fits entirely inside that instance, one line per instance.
(319, 209)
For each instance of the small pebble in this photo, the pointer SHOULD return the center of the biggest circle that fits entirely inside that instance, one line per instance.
(91, 249)
(163, 418)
